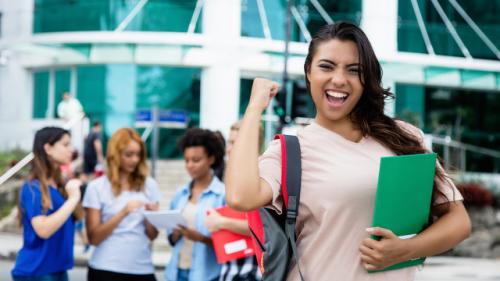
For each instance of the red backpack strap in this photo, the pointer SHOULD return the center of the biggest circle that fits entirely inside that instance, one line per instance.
(291, 172)
(291, 179)
(284, 190)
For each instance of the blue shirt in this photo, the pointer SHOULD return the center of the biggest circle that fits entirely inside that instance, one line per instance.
(204, 264)
(126, 249)
(40, 256)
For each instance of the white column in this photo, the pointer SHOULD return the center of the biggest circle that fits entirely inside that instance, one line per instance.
(52, 95)
(220, 82)
(380, 23)
(74, 81)
(16, 90)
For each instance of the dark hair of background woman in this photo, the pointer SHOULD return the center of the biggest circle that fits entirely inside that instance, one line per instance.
(42, 168)
(211, 142)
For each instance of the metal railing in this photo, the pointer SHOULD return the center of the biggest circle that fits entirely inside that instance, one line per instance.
(27, 159)
(462, 148)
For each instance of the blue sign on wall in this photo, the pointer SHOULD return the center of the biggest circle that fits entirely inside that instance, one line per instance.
(170, 118)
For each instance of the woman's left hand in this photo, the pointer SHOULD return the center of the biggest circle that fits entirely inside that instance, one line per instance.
(390, 250)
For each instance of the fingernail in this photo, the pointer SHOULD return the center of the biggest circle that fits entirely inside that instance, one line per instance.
(369, 229)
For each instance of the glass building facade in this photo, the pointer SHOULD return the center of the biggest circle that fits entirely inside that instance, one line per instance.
(440, 98)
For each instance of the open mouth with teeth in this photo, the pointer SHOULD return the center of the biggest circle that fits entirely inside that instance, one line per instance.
(335, 98)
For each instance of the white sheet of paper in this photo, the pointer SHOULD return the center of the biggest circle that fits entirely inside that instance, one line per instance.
(165, 219)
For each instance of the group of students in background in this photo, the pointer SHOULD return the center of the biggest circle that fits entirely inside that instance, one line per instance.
(340, 159)
(112, 206)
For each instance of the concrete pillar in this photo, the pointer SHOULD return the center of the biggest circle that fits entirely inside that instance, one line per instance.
(16, 90)
(380, 23)
(220, 82)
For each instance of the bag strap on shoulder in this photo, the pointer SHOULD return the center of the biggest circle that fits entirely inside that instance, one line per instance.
(291, 176)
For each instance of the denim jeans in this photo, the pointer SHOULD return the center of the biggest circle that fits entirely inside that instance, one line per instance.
(183, 274)
(59, 276)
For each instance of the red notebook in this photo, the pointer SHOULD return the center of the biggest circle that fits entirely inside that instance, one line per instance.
(229, 245)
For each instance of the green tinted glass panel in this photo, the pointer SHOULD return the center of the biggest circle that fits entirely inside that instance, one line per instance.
(410, 104)
(172, 16)
(245, 90)
(73, 15)
(91, 91)
(175, 88)
(338, 10)
(483, 12)
(276, 15)
(62, 84)
(89, 15)
(40, 94)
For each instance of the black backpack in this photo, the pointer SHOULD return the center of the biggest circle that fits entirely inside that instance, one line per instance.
(274, 234)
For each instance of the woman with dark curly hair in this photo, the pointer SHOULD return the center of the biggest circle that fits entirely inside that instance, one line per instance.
(193, 256)
(340, 154)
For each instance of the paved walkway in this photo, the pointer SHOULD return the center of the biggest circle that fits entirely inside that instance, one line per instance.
(435, 269)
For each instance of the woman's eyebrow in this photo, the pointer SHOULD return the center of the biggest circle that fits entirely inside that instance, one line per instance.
(354, 64)
(327, 61)
(332, 62)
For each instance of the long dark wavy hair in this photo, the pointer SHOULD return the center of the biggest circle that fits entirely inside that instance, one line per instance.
(43, 168)
(368, 114)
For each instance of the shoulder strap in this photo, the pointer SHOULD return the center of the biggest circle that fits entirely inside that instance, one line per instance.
(291, 175)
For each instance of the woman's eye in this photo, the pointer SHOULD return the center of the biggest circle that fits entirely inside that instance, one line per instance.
(325, 66)
(354, 70)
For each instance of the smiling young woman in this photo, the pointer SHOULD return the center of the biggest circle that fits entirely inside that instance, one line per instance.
(340, 154)
(193, 256)
(46, 206)
(114, 204)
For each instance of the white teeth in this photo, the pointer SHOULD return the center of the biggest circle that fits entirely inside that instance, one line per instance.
(336, 94)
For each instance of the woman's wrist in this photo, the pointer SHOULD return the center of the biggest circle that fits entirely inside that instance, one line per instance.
(123, 212)
(73, 200)
(254, 109)
(223, 223)
(411, 246)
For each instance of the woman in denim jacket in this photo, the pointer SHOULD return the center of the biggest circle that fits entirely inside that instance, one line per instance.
(193, 256)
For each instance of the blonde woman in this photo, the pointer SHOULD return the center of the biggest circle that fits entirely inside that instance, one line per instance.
(113, 204)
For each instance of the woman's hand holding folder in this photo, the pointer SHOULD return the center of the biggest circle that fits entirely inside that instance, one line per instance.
(389, 250)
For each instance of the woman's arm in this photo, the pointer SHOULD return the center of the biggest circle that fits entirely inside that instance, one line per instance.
(449, 230)
(174, 237)
(98, 231)
(45, 226)
(151, 231)
(245, 190)
(194, 235)
(215, 222)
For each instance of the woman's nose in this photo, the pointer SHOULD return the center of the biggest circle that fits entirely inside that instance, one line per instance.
(338, 78)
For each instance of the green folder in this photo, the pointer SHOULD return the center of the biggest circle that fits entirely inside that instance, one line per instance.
(403, 199)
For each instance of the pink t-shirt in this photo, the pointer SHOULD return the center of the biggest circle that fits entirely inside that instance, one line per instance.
(339, 181)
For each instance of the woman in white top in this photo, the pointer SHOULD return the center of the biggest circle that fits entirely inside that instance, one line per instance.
(114, 204)
(340, 155)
